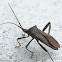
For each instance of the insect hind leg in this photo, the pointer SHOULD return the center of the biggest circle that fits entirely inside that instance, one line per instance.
(45, 50)
(48, 24)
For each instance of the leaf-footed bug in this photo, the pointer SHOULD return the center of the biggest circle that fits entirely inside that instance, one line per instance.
(37, 34)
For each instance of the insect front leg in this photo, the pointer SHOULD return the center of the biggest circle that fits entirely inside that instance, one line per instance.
(18, 42)
(48, 24)
(45, 50)
(28, 45)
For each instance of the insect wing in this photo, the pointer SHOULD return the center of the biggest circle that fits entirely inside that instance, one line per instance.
(51, 42)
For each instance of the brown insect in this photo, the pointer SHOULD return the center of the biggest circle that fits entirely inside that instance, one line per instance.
(39, 35)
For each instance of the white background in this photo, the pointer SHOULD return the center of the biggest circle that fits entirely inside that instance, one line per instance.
(29, 13)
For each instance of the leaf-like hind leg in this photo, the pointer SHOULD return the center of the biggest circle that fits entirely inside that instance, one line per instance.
(27, 48)
(48, 24)
(45, 50)
(18, 42)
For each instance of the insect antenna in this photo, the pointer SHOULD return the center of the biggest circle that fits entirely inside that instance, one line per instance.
(11, 23)
(20, 26)
(15, 17)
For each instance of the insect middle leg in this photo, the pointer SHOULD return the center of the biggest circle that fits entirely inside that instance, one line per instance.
(18, 42)
(28, 45)
(48, 24)
(45, 50)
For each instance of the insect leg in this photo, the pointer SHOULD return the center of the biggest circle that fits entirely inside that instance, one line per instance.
(49, 24)
(28, 45)
(18, 42)
(45, 50)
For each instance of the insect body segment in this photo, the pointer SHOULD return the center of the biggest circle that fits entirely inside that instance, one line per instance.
(45, 38)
